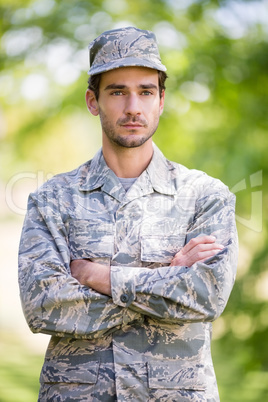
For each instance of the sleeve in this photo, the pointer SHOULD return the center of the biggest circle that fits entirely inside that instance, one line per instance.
(53, 301)
(176, 293)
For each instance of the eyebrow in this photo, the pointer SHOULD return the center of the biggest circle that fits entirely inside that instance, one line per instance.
(120, 86)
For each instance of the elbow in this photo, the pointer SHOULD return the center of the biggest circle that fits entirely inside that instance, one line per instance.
(32, 314)
(216, 308)
(207, 314)
(212, 314)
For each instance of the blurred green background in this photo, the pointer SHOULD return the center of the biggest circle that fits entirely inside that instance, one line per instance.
(215, 120)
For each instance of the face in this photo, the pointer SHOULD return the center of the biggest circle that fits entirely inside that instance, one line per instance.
(129, 105)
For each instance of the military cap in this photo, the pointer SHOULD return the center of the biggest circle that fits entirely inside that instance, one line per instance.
(124, 47)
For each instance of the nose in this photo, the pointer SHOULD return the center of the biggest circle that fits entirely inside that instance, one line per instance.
(133, 105)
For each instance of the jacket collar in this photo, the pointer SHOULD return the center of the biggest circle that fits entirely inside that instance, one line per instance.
(161, 173)
(158, 176)
(95, 173)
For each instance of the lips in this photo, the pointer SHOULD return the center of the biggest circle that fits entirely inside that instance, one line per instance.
(132, 125)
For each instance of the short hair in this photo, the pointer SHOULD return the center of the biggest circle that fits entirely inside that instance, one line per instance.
(94, 83)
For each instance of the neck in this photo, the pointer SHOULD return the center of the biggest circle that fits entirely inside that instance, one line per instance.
(127, 162)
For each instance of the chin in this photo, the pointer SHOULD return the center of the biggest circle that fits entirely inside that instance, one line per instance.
(127, 142)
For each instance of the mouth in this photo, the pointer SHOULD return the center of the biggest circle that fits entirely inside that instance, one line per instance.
(132, 126)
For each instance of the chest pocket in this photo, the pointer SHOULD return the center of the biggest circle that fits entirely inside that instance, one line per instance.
(91, 239)
(157, 248)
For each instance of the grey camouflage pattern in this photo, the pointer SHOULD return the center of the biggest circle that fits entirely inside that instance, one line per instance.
(124, 47)
(150, 341)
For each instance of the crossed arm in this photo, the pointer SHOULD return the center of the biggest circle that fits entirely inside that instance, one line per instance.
(56, 302)
(97, 276)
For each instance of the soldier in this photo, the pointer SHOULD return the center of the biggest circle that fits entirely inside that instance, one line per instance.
(128, 259)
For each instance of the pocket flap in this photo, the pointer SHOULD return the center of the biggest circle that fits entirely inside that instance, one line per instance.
(176, 375)
(91, 239)
(82, 373)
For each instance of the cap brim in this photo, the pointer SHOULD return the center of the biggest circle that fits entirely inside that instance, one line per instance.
(127, 62)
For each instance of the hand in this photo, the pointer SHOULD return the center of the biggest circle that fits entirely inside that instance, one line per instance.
(198, 249)
(92, 275)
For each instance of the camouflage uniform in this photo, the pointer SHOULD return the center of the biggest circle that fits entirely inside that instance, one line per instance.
(150, 341)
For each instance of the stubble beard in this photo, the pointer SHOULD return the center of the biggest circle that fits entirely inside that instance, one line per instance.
(132, 139)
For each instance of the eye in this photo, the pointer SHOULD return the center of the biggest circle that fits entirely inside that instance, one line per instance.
(147, 93)
(117, 93)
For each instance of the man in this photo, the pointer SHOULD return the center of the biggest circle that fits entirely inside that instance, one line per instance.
(126, 260)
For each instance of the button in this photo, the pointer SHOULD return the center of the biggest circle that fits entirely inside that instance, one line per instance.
(124, 298)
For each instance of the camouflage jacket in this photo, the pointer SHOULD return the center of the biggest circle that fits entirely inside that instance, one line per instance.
(150, 341)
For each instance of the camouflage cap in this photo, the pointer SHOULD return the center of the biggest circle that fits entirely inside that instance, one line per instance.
(124, 47)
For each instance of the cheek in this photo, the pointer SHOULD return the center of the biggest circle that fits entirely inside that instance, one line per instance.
(112, 109)
(153, 109)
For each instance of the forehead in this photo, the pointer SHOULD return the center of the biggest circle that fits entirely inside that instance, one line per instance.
(129, 76)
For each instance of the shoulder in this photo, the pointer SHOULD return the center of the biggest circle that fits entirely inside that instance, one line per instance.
(198, 181)
(67, 181)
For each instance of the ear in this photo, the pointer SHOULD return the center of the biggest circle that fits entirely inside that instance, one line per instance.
(162, 101)
(92, 103)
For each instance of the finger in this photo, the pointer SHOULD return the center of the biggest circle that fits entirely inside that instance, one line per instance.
(197, 254)
(196, 244)
(205, 247)
(195, 241)
(208, 254)
(205, 252)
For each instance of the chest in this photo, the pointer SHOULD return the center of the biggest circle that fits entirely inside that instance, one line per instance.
(145, 231)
